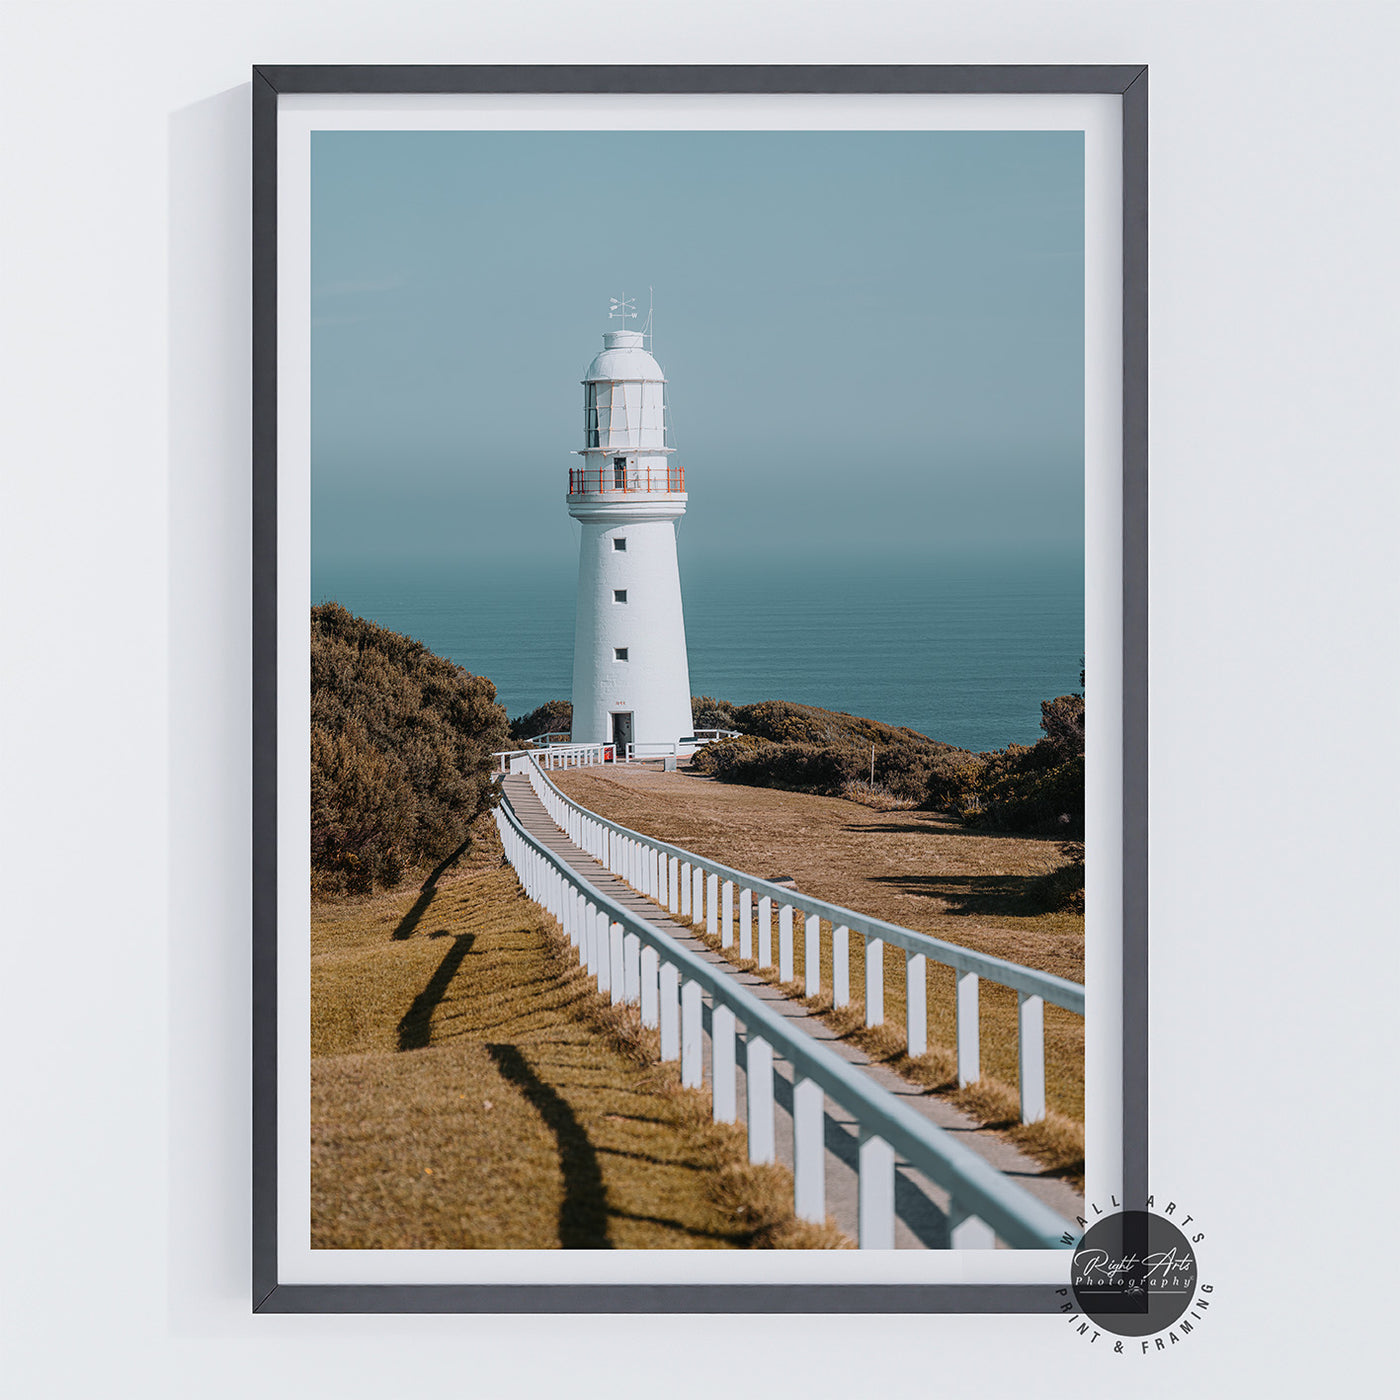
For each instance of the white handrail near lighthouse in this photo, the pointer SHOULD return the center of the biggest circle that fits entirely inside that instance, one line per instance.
(698, 888)
(635, 961)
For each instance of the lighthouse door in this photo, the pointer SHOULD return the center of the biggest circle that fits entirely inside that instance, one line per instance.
(622, 731)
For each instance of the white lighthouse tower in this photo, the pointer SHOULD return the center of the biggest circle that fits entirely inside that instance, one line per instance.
(631, 677)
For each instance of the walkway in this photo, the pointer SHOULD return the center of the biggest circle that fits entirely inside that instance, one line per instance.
(920, 1206)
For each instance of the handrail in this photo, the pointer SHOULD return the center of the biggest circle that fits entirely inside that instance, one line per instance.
(607, 481)
(556, 756)
(1059, 991)
(979, 1192)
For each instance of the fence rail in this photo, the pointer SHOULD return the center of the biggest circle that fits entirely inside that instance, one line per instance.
(634, 961)
(700, 889)
(557, 756)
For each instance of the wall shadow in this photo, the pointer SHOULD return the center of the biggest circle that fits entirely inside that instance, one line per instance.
(583, 1214)
(416, 1028)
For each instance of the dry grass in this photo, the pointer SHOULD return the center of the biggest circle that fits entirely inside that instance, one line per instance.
(917, 869)
(877, 798)
(470, 1089)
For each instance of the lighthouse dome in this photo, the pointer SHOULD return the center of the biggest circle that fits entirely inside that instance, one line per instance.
(623, 357)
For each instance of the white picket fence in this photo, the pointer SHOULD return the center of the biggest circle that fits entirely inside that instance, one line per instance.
(636, 962)
(557, 756)
(699, 889)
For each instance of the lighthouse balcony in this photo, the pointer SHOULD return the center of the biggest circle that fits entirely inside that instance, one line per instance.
(626, 481)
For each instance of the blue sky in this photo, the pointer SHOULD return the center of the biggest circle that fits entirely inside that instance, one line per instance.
(874, 340)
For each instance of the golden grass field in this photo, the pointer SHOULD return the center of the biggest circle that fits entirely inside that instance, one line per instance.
(470, 1089)
(918, 869)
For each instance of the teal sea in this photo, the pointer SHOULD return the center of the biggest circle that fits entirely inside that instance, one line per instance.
(963, 651)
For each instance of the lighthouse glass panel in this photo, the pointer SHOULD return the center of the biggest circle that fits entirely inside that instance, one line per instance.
(590, 415)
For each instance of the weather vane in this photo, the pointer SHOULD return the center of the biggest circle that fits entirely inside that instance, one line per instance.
(621, 307)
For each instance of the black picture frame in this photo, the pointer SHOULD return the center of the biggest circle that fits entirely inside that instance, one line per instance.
(269, 84)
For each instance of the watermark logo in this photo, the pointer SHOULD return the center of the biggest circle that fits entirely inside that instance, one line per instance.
(1135, 1279)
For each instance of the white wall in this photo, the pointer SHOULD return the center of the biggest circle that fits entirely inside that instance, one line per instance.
(125, 550)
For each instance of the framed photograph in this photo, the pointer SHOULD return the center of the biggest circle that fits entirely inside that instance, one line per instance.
(695, 509)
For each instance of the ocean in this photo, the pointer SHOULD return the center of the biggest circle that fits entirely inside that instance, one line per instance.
(963, 651)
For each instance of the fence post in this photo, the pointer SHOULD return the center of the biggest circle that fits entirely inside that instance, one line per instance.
(615, 963)
(808, 1151)
(650, 991)
(785, 943)
(590, 939)
(765, 930)
(841, 965)
(876, 1192)
(631, 968)
(726, 918)
(712, 904)
(685, 890)
(722, 1077)
(967, 1231)
(697, 897)
(916, 1003)
(812, 956)
(969, 1037)
(692, 1073)
(1030, 1046)
(670, 986)
(663, 882)
(874, 981)
(758, 1077)
(746, 925)
(673, 886)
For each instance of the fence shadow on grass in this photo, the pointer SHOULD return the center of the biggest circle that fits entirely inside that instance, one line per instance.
(426, 891)
(1011, 895)
(583, 1213)
(416, 1027)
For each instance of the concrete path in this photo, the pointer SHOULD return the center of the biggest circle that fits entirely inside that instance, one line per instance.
(920, 1205)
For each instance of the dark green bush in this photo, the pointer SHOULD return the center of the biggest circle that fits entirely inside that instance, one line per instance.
(1063, 889)
(1042, 801)
(553, 717)
(811, 749)
(1037, 788)
(824, 769)
(709, 713)
(952, 784)
(1062, 720)
(401, 745)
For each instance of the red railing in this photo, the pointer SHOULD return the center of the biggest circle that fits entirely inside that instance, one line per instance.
(625, 480)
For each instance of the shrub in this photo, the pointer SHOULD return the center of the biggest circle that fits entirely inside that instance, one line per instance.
(1064, 888)
(1063, 722)
(1037, 788)
(824, 769)
(709, 713)
(952, 784)
(553, 717)
(830, 749)
(401, 745)
(1039, 800)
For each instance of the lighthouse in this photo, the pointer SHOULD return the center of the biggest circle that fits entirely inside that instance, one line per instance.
(631, 676)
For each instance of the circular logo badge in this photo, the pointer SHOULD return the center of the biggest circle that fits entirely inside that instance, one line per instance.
(1134, 1273)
